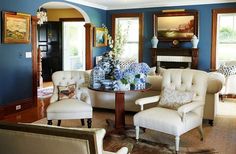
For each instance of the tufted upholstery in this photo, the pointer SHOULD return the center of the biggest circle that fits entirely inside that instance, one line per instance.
(229, 88)
(187, 116)
(79, 108)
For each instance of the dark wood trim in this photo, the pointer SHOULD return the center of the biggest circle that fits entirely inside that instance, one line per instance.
(215, 13)
(141, 31)
(223, 96)
(1, 113)
(88, 49)
(34, 58)
(213, 41)
(11, 108)
(62, 132)
(71, 19)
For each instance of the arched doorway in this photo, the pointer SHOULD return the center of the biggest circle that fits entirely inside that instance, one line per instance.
(36, 56)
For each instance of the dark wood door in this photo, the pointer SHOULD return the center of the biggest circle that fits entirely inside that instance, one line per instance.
(50, 44)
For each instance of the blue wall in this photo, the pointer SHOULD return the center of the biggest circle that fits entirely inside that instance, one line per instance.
(205, 19)
(15, 69)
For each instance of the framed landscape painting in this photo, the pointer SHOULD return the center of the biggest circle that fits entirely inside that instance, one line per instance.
(180, 26)
(100, 37)
(16, 27)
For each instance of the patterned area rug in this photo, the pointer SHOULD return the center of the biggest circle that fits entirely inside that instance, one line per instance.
(146, 144)
(114, 142)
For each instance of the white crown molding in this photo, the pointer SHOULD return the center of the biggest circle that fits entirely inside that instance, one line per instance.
(168, 4)
(161, 3)
(86, 3)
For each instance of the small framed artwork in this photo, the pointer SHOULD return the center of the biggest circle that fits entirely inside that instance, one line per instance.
(181, 25)
(100, 37)
(15, 27)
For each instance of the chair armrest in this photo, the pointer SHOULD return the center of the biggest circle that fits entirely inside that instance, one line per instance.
(123, 150)
(147, 100)
(189, 107)
(54, 98)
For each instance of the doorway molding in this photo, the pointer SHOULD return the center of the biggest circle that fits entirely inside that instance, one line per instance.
(88, 47)
(215, 13)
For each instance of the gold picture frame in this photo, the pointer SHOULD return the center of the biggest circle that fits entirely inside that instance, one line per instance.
(181, 25)
(15, 27)
(100, 37)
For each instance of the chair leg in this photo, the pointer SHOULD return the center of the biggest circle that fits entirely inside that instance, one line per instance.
(201, 132)
(177, 143)
(137, 132)
(211, 122)
(82, 122)
(89, 121)
(59, 123)
(49, 122)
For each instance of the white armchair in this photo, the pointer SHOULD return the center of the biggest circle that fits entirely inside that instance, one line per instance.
(186, 117)
(229, 88)
(77, 107)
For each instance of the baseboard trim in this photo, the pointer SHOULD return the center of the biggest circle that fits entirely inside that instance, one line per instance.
(24, 104)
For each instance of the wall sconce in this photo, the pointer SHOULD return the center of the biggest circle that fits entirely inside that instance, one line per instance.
(42, 15)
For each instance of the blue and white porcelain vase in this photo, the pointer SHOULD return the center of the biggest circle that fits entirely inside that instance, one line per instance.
(154, 41)
(194, 41)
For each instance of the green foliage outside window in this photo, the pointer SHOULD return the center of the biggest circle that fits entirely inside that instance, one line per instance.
(227, 34)
(120, 40)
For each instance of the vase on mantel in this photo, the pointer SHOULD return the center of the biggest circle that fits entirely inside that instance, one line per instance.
(194, 41)
(154, 41)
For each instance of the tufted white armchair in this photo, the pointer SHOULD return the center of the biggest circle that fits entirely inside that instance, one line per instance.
(229, 88)
(77, 108)
(186, 117)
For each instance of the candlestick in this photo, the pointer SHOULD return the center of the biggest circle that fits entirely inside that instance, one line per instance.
(154, 23)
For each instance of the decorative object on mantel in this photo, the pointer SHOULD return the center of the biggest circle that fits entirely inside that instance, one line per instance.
(175, 43)
(154, 41)
(194, 41)
(16, 27)
(42, 15)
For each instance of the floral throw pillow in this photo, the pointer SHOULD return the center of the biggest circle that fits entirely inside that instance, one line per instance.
(173, 99)
(67, 92)
(227, 70)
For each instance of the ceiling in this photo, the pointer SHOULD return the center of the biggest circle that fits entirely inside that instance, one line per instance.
(129, 4)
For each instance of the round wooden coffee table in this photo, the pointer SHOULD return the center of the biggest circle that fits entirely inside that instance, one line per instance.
(120, 103)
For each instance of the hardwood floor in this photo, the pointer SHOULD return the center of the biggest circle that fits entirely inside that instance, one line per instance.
(29, 115)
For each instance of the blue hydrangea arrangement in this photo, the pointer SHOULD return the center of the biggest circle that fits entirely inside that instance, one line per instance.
(135, 75)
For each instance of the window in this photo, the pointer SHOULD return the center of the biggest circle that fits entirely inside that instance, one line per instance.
(74, 46)
(128, 35)
(226, 38)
